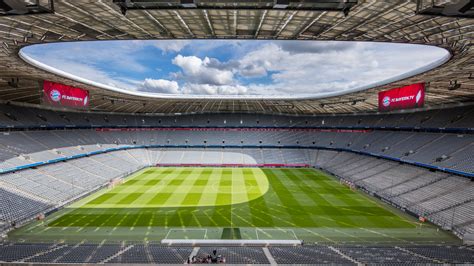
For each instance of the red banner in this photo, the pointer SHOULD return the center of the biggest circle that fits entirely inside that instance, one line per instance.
(63, 95)
(411, 96)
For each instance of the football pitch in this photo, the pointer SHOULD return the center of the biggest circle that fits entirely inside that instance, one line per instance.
(231, 203)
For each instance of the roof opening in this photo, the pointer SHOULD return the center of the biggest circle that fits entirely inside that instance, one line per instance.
(234, 68)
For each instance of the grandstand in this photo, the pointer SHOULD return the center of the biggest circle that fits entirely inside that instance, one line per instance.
(322, 180)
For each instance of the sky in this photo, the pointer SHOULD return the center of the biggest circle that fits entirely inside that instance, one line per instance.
(235, 67)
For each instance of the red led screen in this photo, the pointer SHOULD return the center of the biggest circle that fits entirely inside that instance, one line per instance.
(63, 95)
(411, 96)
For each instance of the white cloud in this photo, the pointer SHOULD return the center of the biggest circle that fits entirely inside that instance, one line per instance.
(309, 68)
(207, 89)
(257, 63)
(92, 73)
(160, 86)
(253, 70)
(171, 45)
(312, 47)
(257, 68)
(103, 55)
(200, 71)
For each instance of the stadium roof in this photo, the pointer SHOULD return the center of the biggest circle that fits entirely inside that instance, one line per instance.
(381, 21)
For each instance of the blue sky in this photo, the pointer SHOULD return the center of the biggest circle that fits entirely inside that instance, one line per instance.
(235, 67)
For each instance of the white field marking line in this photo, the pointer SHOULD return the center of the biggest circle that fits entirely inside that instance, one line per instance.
(150, 224)
(257, 217)
(136, 221)
(305, 229)
(209, 217)
(333, 228)
(184, 230)
(181, 219)
(294, 234)
(285, 230)
(195, 218)
(246, 234)
(43, 224)
(319, 235)
(104, 222)
(396, 216)
(238, 216)
(385, 208)
(83, 202)
(215, 186)
(385, 235)
(233, 175)
(344, 233)
(44, 229)
(119, 223)
(223, 216)
(87, 224)
(325, 218)
(165, 180)
(262, 232)
(72, 225)
(166, 237)
(209, 188)
(291, 224)
(186, 187)
(122, 194)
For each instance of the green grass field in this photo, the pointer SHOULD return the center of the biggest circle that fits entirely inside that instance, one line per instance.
(247, 203)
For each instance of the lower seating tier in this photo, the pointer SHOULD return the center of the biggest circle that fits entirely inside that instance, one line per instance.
(148, 253)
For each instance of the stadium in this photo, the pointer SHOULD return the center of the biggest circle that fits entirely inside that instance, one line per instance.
(373, 173)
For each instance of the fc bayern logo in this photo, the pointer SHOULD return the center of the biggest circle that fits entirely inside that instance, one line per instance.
(386, 101)
(55, 95)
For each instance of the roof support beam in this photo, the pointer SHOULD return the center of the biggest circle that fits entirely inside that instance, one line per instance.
(154, 19)
(361, 8)
(285, 24)
(235, 23)
(209, 22)
(309, 25)
(184, 23)
(126, 19)
(262, 18)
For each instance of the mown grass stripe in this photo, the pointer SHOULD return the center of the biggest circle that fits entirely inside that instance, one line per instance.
(300, 198)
